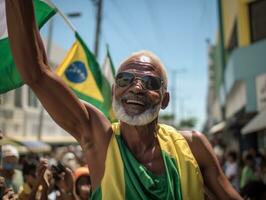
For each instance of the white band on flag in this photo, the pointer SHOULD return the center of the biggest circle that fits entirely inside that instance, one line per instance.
(3, 26)
(107, 71)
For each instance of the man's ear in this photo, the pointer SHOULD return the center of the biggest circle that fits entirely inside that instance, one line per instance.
(166, 98)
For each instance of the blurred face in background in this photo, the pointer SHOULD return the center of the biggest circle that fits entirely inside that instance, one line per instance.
(31, 178)
(83, 187)
(9, 163)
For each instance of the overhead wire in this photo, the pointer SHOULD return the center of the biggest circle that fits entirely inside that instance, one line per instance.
(152, 17)
(117, 30)
(127, 22)
(200, 25)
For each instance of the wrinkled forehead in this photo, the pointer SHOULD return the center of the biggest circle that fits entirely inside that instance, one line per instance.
(141, 64)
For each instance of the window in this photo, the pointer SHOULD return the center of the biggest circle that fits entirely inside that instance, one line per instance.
(257, 12)
(32, 99)
(18, 97)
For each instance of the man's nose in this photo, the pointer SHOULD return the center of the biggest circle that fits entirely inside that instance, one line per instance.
(138, 85)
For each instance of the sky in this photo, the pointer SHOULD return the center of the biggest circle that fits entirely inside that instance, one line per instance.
(175, 30)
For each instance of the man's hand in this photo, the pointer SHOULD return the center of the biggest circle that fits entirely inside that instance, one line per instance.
(66, 185)
(66, 181)
(43, 174)
(10, 195)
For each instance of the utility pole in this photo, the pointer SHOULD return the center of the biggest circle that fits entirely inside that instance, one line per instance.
(222, 52)
(99, 6)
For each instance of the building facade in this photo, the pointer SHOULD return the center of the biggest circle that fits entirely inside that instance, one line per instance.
(237, 71)
(23, 118)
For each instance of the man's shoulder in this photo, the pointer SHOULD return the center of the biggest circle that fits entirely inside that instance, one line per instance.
(189, 135)
(192, 136)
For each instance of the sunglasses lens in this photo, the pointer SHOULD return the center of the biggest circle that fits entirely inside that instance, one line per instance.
(152, 82)
(124, 78)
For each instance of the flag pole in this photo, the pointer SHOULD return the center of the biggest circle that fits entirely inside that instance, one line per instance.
(70, 25)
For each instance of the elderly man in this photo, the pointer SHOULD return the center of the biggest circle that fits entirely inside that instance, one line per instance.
(13, 177)
(136, 158)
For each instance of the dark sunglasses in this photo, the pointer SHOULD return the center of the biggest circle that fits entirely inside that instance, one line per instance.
(149, 82)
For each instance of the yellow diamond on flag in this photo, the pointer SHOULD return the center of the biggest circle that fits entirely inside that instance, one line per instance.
(75, 72)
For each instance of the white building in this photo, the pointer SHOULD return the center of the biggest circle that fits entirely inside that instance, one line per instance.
(20, 112)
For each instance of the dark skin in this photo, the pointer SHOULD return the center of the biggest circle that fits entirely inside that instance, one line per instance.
(87, 124)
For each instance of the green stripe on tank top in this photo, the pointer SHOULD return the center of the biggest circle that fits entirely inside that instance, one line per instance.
(125, 178)
(97, 194)
(142, 184)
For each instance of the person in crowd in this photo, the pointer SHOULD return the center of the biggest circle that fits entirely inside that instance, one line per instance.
(5, 192)
(56, 182)
(13, 177)
(262, 172)
(29, 171)
(137, 158)
(1, 134)
(69, 160)
(9, 195)
(248, 172)
(257, 157)
(254, 190)
(231, 169)
(82, 183)
(219, 153)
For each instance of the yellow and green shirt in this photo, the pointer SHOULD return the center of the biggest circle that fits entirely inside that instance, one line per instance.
(126, 178)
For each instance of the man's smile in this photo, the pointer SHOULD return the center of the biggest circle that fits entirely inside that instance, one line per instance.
(136, 102)
(139, 100)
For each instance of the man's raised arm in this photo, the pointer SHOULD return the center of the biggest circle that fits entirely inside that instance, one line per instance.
(30, 58)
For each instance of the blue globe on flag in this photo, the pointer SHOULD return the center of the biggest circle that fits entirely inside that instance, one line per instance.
(76, 72)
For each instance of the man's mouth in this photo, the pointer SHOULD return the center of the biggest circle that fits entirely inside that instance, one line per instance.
(135, 102)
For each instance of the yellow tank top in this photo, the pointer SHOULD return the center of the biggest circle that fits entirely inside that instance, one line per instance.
(125, 178)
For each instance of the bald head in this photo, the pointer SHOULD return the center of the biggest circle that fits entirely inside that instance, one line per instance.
(145, 58)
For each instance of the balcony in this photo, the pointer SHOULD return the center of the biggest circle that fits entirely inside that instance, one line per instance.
(245, 64)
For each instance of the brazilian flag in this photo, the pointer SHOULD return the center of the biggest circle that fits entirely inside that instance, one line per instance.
(81, 72)
(9, 76)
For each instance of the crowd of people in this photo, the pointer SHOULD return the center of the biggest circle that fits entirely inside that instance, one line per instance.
(34, 177)
(246, 171)
(66, 176)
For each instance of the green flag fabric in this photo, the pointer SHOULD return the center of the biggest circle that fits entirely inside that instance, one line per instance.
(108, 71)
(9, 76)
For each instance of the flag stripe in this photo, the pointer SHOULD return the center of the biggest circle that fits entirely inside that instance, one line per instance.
(101, 81)
(3, 27)
(43, 12)
(108, 70)
(98, 104)
(111, 63)
(94, 66)
(10, 78)
(109, 73)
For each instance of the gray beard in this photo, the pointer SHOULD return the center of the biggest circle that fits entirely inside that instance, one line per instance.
(136, 120)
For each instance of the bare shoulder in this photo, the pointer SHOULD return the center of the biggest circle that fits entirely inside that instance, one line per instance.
(194, 137)
(199, 145)
(94, 142)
